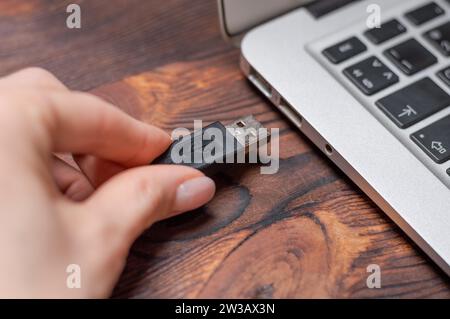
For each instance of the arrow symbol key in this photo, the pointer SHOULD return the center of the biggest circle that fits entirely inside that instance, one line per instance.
(371, 75)
(414, 102)
(434, 140)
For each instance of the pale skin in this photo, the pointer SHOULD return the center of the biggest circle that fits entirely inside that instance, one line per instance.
(52, 214)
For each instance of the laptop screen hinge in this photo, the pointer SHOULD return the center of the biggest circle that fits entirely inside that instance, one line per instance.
(239, 16)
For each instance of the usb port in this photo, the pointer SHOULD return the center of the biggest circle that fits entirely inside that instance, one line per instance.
(290, 112)
(260, 83)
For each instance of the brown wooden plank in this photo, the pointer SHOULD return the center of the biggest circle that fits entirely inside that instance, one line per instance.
(117, 38)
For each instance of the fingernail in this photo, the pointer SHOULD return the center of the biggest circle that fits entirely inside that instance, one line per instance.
(194, 193)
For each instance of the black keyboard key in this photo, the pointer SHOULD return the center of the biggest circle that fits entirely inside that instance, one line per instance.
(387, 31)
(435, 140)
(414, 103)
(344, 50)
(440, 38)
(425, 13)
(410, 56)
(371, 75)
(444, 75)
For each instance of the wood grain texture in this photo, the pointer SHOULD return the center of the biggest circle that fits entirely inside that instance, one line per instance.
(305, 232)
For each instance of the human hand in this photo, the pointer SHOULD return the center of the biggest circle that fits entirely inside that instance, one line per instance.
(53, 215)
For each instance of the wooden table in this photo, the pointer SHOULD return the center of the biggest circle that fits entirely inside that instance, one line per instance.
(307, 231)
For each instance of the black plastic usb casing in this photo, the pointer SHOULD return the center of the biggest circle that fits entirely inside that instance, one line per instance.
(216, 146)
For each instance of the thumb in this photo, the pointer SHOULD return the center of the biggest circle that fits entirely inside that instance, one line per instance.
(131, 201)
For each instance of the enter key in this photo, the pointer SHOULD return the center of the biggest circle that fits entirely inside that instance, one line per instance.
(435, 140)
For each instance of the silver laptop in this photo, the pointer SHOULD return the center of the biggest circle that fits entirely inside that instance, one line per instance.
(375, 98)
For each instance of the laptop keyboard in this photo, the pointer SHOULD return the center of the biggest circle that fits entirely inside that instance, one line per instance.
(416, 100)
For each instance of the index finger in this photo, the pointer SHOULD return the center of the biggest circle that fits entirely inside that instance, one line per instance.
(84, 124)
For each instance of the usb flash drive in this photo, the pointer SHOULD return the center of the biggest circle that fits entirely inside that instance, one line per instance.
(217, 145)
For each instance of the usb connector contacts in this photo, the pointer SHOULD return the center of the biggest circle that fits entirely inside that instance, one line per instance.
(248, 131)
(211, 147)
